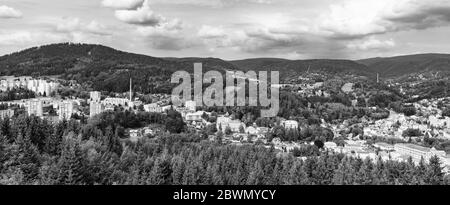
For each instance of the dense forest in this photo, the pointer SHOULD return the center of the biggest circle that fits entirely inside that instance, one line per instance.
(33, 151)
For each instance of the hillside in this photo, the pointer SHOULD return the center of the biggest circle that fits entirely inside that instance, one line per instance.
(406, 65)
(108, 69)
(295, 67)
(101, 67)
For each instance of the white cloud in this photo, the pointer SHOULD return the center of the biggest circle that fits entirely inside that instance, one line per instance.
(372, 44)
(168, 35)
(122, 4)
(356, 18)
(212, 3)
(209, 32)
(8, 12)
(70, 25)
(143, 15)
(20, 38)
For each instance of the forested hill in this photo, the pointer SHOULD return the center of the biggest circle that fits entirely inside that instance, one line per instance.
(107, 69)
(295, 67)
(101, 67)
(409, 64)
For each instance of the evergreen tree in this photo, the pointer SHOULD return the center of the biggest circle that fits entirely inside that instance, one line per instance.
(297, 175)
(162, 171)
(71, 163)
(5, 129)
(26, 157)
(256, 176)
(178, 167)
(434, 174)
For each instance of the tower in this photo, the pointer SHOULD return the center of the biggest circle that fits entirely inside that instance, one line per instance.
(131, 89)
(378, 78)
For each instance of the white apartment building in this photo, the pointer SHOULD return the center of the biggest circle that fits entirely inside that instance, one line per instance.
(196, 116)
(10, 82)
(35, 107)
(95, 108)
(289, 124)
(95, 96)
(6, 113)
(116, 102)
(154, 107)
(65, 110)
(191, 105)
(418, 152)
(42, 87)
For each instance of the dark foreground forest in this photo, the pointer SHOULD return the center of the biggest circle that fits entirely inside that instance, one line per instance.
(33, 151)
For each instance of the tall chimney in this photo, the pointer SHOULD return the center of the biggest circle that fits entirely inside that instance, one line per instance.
(131, 90)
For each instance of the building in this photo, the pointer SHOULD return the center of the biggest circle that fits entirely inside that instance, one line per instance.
(95, 105)
(95, 108)
(116, 102)
(191, 105)
(384, 146)
(39, 86)
(222, 122)
(6, 113)
(35, 107)
(135, 135)
(66, 110)
(154, 107)
(330, 145)
(418, 152)
(11, 82)
(196, 116)
(251, 131)
(42, 87)
(289, 124)
(236, 125)
(95, 96)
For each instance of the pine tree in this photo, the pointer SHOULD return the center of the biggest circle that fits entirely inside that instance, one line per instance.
(434, 174)
(178, 170)
(364, 175)
(71, 164)
(112, 142)
(5, 129)
(297, 175)
(26, 157)
(256, 176)
(162, 171)
(4, 146)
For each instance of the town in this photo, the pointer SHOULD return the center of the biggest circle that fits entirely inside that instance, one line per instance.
(396, 136)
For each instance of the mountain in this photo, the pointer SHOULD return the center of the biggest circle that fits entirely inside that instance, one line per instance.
(295, 67)
(102, 67)
(208, 63)
(409, 64)
(108, 69)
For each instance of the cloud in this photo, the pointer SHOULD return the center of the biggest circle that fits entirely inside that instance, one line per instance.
(212, 3)
(8, 12)
(357, 19)
(20, 38)
(371, 44)
(168, 35)
(210, 32)
(142, 15)
(71, 25)
(122, 4)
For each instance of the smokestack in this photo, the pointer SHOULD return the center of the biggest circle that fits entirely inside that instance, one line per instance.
(131, 90)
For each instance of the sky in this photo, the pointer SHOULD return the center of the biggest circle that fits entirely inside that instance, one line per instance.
(233, 29)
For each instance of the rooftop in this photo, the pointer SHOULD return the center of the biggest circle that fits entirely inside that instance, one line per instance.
(416, 147)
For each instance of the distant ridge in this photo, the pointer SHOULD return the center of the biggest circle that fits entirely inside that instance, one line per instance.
(408, 64)
(91, 59)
